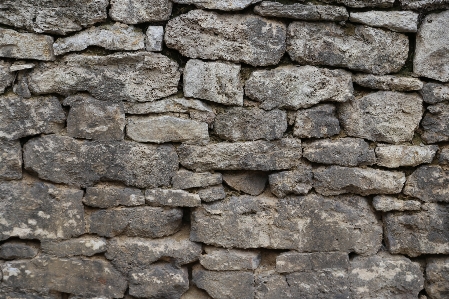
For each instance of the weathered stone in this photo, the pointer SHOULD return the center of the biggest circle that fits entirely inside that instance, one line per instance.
(363, 3)
(6, 75)
(335, 180)
(252, 155)
(195, 293)
(443, 156)
(220, 259)
(431, 58)
(212, 193)
(290, 223)
(21, 65)
(388, 82)
(185, 179)
(308, 12)
(386, 116)
(140, 11)
(344, 151)
(240, 38)
(389, 203)
(15, 44)
(31, 209)
(399, 21)
(296, 87)
(292, 261)
(435, 123)
(162, 129)
(428, 183)
(105, 195)
(298, 181)
(227, 5)
(393, 156)
(10, 160)
(85, 245)
(360, 48)
(18, 250)
(270, 285)
(147, 222)
(421, 5)
(433, 93)
(317, 122)
(250, 182)
(154, 38)
(83, 163)
(8, 293)
(137, 76)
(172, 198)
(437, 277)
(171, 104)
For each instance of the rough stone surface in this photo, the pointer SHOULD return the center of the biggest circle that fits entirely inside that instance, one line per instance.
(421, 5)
(362, 48)
(195, 293)
(240, 38)
(388, 82)
(171, 104)
(14, 44)
(435, 123)
(185, 179)
(399, 21)
(105, 195)
(212, 193)
(226, 5)
(443, 156)
(298, 11)
(140, 11)
(6, 75)
(85, 245)
(389, 203)
(428, 183)
(433, 93)
(250, 182)
(363, 3)
(393, 156)
(298, 181)
(437, 277)
(18, 250)
(292, 261)
(10, 160)
(173, 198)
(220, 259)
(319, 121)
(154, 38)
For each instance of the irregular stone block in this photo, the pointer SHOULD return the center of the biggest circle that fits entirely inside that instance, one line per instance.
(212, 193)
(428, 183)
(363, 181)
(298, 11)
(28, 294)
(292, 261)
(105, 195)
(298, 181)
(386, 116)
(185, 179)
(154, 38)
(437, 277)
(307, 86)
(6, 75)
(18, 250)
(443, 156)
(171, 104)
(250, 182)
(388, 203)
(252, 155)
(19, 45)
(433, 93)
(393, 156)
(270, 285)
(227, 5)
(195, 293)
(172, 198)
(362, 3)
(317, 122)
(360, 48)
(137, 76)
(435, 123)
(83, 163)
(220, 259)
(431, 58)
(421, 5)
(10, 160)
(85, 245)
(239, 38)
(140, 11)
(388, 82)
(399, 21)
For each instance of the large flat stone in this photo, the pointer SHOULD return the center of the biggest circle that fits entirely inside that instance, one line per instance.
(226, 5)
(14, 44)
(428, 183)
(220, 259)
(140, 11)
(435, 123)
(399, 21)
(308, 12)
(393, 156)
(437, 277)
(10, 160)
(85, 245)
(433, 93)
(319, 121)
(362, 3)
(388, 82)
(106, 195)
(170, 104)
(386, 203)
(292, 261)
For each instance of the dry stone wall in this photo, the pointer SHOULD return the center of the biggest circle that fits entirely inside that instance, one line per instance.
(224, 149)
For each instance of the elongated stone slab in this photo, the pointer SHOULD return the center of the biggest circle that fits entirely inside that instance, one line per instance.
(85, 245)
(388, 82)
(435, 123)
(140, 11)
(421, 5)
(18, 250)
(293, 261)
(393, 156)
(308, 12)
(386, 203)
(227, 5)
(220, 259)
(14, 44)
(170, 104)
(185, 179)
(399, 21)
(106, 195)
(173, 198)
(362, 3)
(10, 160)
(428, 183)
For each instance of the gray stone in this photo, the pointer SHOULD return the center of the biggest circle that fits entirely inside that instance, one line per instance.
(308, 12)
(344, 151)
(212, 193)
(433, 93)
(399, 21)
(319, 121)
(251, 155)
(10, 160)
(85, 245)
(31, 209)
(6, 75)
(292, 261)
(162, 129)
(296, 87)
(227, 5)
(435, 123)
(213, 81)
(140, 11)
(154, 38)
(21, 65)
(431, 58)
(437, 277)
(389, 203)
(393, 156)
(185, 179)
(386, 116)
(83, 163)
(358, 48)
(388, 82)
(270, 285)
(250, 182)
(220, 259)
(136, 76)
(172, 198)
(14, 44)
(298, 181)
(335, 180)
(195, 293)
(421, 5)
(9, 293)
(239, 37)
(171, 104)
(443, 156)
(106, 195)
(363, 3)
(18, 250)
(159, 281)
(428, 183)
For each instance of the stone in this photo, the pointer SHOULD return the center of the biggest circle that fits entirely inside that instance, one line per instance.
(84, 245)
(54, 16)
(10, 160)
(393, 156)
(185, 179)
(159, 281)
(443, 156)
(146, 222)
(14, 44)
(136, 76)
(270, 285)
(195, 293)
(6, 75)
(358, 48)
(386, 116)
(20, 117)
(154, 38)
(29, 294)
(437, 277)
(31, 209)
(245, 124)
(251, 155)
(220, 259)
(421, 5)
(385, 203)
(343, 223)
(239, 37)
(344, 151)
(21, 65)
(250, 182)
(18, 250)
(431, 58)
(296, 87)
(140, 11)
(212, 193)
(319, 121)
(227, 5)
(399, 21)
(308, 12)
(433, 93)
(83, 163)
(435, 124)
(106, 195)
(213, 81)
(171, 104)
(388, 82)
(428, 183)
(292, 261)
(363, 3)
(172, 198)
(298, 181)
(162, 129)
(363, 181)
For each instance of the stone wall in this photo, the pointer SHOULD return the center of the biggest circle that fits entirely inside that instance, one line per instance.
(224, 149)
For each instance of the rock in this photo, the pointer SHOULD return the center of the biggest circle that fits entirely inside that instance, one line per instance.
(185, 179)
(389, 203)
(319, 121)
(388, 82)
(428, 183)
(21, 117)
(433, 93)
(172, 198)
(296, 87)
(431, 58)
(220, 259)
(270, 285)
(443, 156)
(298, 181)
(162, 129)
(358, 48)
(6, 75)
(245, 124)
(363, 3)
(10, 160)
(212, 193)
(31, 209)
(18, 250)
(239, 38)
(85, 245)
(386, 116)
(437, 277)
(171, 104)
(252, 155)
(154, 38)
(146, 222)
(399, 21)
(83, 163)
(140, 11)
(213, 81)
(290, 223)
(298, 11)
(435, 123)
(292, 261)
(421, 5)
(195, 293)
(344, 151)
(159, 281)
(106, 195)
(14, 44)
(29, 294)
(21, 65)
(227, 5)
(393, 156)
(136, 76)
(250, 182)
(335, 180)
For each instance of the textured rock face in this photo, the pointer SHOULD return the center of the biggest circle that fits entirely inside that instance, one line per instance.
(107, 196)
(171, 104)
(428, 183)
(14, 44)
(388, 82)
(298, 181)
(6, 76)
(393, 156)
(219, 259)
(250, 182)
(302, 12)
(184, 179)
(212, 193)
(363, 3)
(10, 160)
(433, 93)
(85, 245)
(154, 38)
(18, 250)
(292, 261)
(227, 5)
(437, 275)
(317, 122)
(424, 4)
(388, 203)
(140, 11)
(239, 38)
(400, 21)
(435, 123)
(174, 198)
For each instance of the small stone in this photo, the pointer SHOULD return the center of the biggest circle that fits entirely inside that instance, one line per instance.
(106, 195)
(388, 82)
(185, 179)
(389, 203)
(298, 181)
(227, 5)
(154, 38)
(250, 182)
(292, 261)
(308, 12)
(319, 121)
(10, 160)
(233, 37)
(85, 245)
(270, 285)
(195, 293)
(363, 3)
(399, 21)
(172, 198)
(394, 156)
(213, 193)
(14, 44)
(220, 259)
(435, 123)
(18, 250)
(359, 48)
(421, 5)
(437, 277)
(171, 104)
(6, 75)
(443, 156)
(21, 65)
(433, 93)
(428, 183)
(140, 11)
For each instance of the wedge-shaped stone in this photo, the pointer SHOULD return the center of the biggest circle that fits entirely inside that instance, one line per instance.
(399, 21)
(317, 122)
(172, 198)
(298, 11)
(140, 11)
(435, 123)
(335, 180)
(388, 82)
(213, 193)
(292, 261)
(386, 116)
(83, 163)
(255, 155)
(105, 195)
(134, 77)
(307, 86)
(227, 5)
(421, 5)
(360, 48)
(290, 223)
(249, 182)
(171, 104)
(428, 183)
(298, 181)
(185, 179)
(19, 45)
(386, 203)
(18, 250)
(10, 160)
(240, 38)
(393, 156)
(85, 245)
(220, 259)
(362, 3)
(31, 209)
(6, 75)
(437, 277)
(433, 93)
